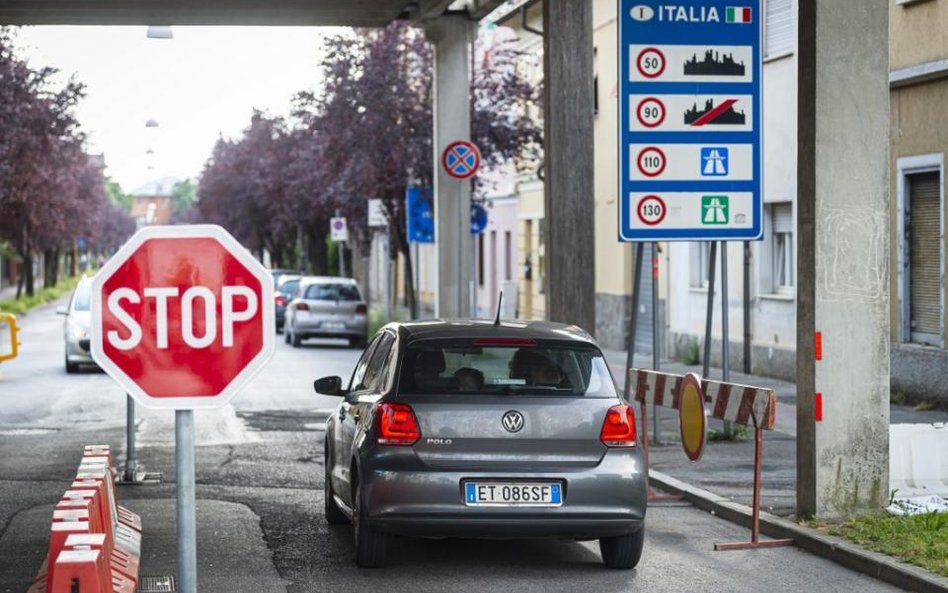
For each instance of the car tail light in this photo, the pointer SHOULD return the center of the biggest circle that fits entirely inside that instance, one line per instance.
(618, 429)
(302, 307)
(397, 425)
(281, 300)
(362, 309)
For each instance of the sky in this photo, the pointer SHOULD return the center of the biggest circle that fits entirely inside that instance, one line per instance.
(203, 83)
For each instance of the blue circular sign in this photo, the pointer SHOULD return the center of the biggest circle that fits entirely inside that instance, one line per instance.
(478, 219)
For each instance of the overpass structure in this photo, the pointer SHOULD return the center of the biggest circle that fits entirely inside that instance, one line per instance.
(842, 186)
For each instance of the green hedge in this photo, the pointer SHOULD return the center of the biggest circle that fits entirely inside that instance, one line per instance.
(24, 304)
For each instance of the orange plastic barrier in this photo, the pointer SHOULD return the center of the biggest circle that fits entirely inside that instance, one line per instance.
(94, 544)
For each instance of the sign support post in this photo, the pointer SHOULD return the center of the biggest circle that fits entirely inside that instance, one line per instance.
(706, 359)
(656, 358)
(185, 504)
(130, 476)
(725, 333)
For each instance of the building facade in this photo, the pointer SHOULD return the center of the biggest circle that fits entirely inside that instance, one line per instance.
(918, 58)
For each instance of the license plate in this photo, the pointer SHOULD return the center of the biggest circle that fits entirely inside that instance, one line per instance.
(509, 494)
(333, 325)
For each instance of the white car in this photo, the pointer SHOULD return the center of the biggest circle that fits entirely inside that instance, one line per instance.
(77, 326)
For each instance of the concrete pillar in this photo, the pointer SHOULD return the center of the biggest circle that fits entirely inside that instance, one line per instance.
(452, 36)
(568, 163)
(842, 247)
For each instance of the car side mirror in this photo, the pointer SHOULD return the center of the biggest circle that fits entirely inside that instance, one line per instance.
(61, 310)
(328, 386)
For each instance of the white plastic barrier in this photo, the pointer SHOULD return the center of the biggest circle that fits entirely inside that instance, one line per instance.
(918, 459)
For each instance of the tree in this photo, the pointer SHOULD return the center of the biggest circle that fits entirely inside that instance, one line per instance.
(117, 195)
(183, 196)
(373, 120)
(51, 191)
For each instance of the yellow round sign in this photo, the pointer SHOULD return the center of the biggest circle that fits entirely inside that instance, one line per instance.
(691, 416)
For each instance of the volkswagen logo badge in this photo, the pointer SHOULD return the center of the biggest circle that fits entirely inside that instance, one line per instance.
(513, 421)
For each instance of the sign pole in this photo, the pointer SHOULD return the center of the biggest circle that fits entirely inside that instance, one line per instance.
(656, 362)
(633, 318)
(185, 487)
(706, 361)
(131, 457)
(416, 268)
(388, 273)
(725, 334)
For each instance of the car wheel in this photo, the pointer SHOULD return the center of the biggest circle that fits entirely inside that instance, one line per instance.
(334, 515)
(295, 340)
(286, 335)
(357, 343)
(279, 328)
(71, 368)
(623, 551)
(371, 547)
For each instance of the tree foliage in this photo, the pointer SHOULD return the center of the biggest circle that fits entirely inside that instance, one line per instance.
(51, 191)
(367, 133)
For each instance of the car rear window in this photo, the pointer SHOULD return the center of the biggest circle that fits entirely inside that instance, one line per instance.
(505, 370)
(289, 287)
(80, 300)
(332, 292)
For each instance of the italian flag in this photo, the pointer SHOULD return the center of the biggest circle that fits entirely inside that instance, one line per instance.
(738, 14)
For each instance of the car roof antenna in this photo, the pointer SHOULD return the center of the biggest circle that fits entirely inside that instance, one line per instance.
(500, 301)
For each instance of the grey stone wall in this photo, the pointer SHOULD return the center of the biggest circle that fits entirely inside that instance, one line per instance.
(767, 361)
(920, 373)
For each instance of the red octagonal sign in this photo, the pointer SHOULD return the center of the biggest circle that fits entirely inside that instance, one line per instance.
(182, 317)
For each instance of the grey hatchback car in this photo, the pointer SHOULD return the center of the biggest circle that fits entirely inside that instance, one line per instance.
(484, 430)
(326, 307)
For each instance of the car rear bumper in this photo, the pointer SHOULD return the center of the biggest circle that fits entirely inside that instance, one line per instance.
(606, 500)
(319, 329)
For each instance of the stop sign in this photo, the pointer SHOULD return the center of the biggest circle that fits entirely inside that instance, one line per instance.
(182, 317)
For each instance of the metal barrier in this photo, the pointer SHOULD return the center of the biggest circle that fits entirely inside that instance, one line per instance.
(731, 402)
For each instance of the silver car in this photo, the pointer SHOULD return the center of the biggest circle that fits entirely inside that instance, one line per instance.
(326, 307)
(77, 326)
(483, 430)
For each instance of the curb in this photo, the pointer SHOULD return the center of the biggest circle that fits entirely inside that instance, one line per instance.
(838, 550)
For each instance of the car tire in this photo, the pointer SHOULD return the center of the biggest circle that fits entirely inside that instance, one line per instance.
(357, 343)
(371, 546)
(286, 335)
(334, 515)
(279, 328)
(623, 551)
(295, 340)
(71, 367)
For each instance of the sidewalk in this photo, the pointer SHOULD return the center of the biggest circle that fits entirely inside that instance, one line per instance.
(726, 467)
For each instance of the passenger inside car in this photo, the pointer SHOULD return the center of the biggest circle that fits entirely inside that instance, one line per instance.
(469, 379)
(536, 369)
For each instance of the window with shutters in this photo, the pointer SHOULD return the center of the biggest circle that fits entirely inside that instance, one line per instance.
(778, 28)
(923, 246)
(778, 264)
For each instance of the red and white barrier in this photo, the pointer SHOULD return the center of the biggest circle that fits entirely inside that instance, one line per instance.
(731, 402)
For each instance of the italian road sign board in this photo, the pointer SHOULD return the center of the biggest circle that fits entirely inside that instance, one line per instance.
(419, 217)
(461, 159)
(690, 120)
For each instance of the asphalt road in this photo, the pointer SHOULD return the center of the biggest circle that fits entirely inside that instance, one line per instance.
(260, 524)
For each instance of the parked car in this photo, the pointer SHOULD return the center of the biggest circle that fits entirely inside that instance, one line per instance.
(282, 295)
(326, 307)
(77, 325)
(483, 430)
(279, 273)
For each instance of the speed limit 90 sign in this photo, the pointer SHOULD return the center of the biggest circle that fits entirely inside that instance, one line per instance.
(650, 112)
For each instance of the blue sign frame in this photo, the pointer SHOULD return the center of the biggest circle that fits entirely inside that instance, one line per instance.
(693, 23)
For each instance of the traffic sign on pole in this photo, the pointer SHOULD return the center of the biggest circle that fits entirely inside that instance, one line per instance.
(182, 317)
(461, 159)
(690, 120)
